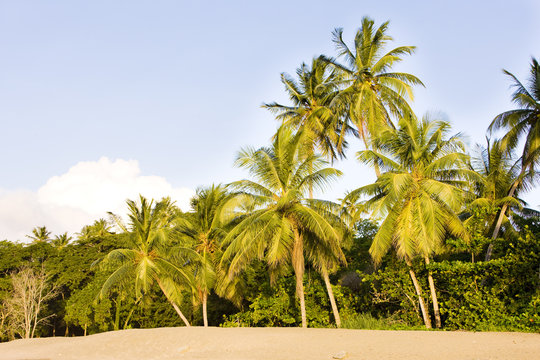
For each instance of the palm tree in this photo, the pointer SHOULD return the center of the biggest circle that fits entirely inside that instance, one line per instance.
(149, 257)
(324, 127)
(373, 93)
(203, 229)
(498, 173)
(520, 123)
(40, 234)
(417, 195)
(312, 93)
(61, 241)
(284, 219)
(100, 227)
(326, 259)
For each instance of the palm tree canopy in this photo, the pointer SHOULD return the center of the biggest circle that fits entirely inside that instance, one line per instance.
(523, 123)
(498, 172)
(421, 189)
(40, 234)
(203, 229)
(311, 95)
(283, 175)
(61, 241)
(373, 91)
(149, 255)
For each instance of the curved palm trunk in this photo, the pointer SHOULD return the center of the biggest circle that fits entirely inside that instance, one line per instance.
(500, 219)
(425, 315)
(298, 266)
(176, 308)
(335, 310)
(128, 318)
(434, 297)
(205, 312)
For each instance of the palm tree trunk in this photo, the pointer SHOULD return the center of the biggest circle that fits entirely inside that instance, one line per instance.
(434, 297)
(205, 313)
(500, 219)
(298, 266)
(117, 315)
(335, 310)
(178, 311)
(324, 272)
(128, 318)
(377, 170)
(425, 315)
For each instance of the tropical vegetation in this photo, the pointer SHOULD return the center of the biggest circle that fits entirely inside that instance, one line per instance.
(441, 238)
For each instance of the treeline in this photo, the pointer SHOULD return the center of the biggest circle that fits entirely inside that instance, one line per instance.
(449, 243)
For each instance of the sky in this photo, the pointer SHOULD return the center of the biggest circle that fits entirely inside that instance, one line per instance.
(103, 100)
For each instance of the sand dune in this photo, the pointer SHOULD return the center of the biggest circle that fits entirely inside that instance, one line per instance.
(277, 343)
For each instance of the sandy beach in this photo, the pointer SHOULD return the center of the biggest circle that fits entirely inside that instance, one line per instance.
(277, 343)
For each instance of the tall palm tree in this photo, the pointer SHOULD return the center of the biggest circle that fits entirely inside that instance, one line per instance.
(373, 93)
(284, 218)
(324, 127)
(40, 234)
(203, 229)
(418, 195)
(521, 123)
(311, 94)
(149, 257)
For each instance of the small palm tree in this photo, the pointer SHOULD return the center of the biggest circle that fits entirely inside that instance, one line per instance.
(284, 218)
(373, 93)
(418, 195)
(521, 123)
(203, 229)
(149, 257)
(498, 173)
(100, 227)
(40, 234)
(61, 241)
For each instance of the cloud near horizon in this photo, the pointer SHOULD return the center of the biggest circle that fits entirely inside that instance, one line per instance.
(86, 192)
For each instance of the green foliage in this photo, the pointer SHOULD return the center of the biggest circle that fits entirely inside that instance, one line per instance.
(392, 292)
(277, 306)
(495, 295)
(367, 321)
(266, 246)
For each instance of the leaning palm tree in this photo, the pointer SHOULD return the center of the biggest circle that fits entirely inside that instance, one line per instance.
(149, 258)
(498, 172)
(418, 195)
(522, 123)
(372, 92)
(279, 227)
(203, 229)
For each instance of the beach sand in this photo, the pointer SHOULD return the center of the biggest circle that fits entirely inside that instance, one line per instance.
(277, 343)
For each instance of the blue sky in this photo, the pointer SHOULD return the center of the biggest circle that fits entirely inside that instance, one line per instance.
(176, 87)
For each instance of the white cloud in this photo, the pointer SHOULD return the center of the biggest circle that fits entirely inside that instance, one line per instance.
(84, 193)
